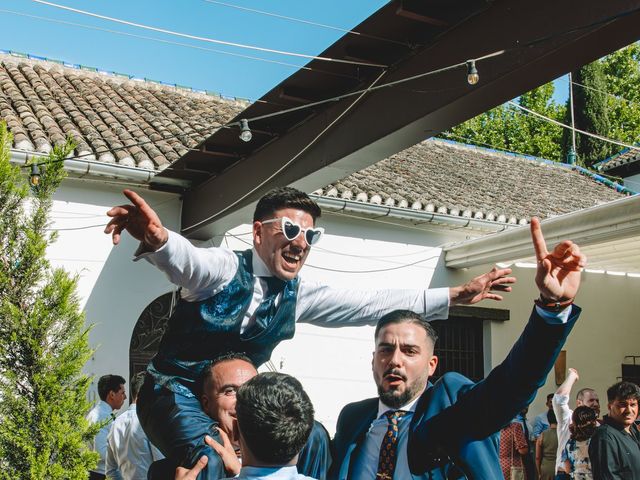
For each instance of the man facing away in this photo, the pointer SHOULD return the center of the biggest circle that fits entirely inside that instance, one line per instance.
(275, 418)
(249, 302)
(540, 422)
(585, 397)
(129, 451)
(112, 396)
(218, 389)
(614, 449)
(449, 430)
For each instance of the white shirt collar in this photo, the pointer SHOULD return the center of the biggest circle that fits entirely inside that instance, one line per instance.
(409, 407)
(259, 267)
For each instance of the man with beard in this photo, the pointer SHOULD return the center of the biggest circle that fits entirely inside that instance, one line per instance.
(449, 430)
(249, 302)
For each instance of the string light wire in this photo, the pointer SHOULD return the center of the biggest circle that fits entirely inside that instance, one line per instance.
(205, 39)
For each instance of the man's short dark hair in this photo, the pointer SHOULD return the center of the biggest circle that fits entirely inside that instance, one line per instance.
(109, 383)
(550, 397)
(285, 197)
(623, 391)
(136, 384)
(275, 417)
(207, 372)
(406, 316)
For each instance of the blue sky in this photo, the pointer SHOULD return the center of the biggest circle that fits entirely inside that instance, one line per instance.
(197, 68)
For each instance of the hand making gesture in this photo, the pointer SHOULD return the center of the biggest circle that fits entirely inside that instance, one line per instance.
(139, 220)
(558, 273)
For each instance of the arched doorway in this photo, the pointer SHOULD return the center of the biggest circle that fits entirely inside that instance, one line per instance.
(148, 331)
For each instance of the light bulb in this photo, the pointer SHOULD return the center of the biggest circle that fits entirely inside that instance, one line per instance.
(245, 131)
(472, 73)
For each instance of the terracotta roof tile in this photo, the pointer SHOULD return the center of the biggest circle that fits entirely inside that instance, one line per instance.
(111, 118)
(445, 177)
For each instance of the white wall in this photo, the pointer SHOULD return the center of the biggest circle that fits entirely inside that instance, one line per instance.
(113, 289)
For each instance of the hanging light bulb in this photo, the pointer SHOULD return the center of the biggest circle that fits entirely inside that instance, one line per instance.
(472, 72)
(245, 131)
(34, 177)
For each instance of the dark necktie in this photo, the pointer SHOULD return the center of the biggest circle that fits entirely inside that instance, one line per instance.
(389, 446)
(267, 308)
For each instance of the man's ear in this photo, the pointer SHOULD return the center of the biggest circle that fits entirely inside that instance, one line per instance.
(204, 401)
(433, 364)
(257, 233)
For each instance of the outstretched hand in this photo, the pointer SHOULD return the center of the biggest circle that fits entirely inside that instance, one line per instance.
(482, 287)
(558, 271)
(226, 451)
(139, 220)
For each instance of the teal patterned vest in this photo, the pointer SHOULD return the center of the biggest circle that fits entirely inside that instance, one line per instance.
(200, 331)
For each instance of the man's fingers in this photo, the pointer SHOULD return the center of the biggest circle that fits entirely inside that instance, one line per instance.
(219, 449)
(501, 288)
(224, 436)
(539, 244)
(493, 296)
(192, 474)
(139, 203)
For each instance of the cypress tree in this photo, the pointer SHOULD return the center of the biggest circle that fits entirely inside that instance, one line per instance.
(43, 338)
(590, 114)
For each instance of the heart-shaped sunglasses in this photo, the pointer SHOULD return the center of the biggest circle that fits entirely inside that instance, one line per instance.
(291, 230)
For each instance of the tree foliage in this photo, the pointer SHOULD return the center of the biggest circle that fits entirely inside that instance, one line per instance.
(606, 102)
(508, 128)
(43, 340)
(591, 114)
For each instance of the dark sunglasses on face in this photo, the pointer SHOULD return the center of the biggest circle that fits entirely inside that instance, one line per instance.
(291, 230)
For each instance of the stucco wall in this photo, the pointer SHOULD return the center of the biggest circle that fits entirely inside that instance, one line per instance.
(113, 289)
(333, 364)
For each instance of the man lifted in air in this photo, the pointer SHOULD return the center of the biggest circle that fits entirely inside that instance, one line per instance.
(249, 302)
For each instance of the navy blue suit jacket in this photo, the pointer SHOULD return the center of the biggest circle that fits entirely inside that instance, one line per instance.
(454, 430)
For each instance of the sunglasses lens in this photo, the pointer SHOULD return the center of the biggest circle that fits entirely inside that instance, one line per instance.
(290, 230)
(312, 236)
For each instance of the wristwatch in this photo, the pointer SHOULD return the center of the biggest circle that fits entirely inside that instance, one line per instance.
(552, 305)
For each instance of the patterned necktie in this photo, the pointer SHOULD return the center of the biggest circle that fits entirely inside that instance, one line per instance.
(389, 446)
(267, 308)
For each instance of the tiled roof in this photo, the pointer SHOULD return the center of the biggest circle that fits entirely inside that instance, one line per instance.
(112, 118)
(132, 122)
(622, 158)
(446, 177)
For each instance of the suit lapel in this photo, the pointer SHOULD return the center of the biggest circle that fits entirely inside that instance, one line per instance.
(362, 421)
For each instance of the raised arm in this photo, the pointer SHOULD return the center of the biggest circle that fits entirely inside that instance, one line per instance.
(566, 386)
(484, 408)
(140, 220)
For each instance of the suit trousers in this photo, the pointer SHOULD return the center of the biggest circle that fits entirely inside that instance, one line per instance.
(177, 425)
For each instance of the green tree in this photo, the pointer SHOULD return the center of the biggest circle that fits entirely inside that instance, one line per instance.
(622, 77)
(43, 339)
(508, 128)
(591, 114)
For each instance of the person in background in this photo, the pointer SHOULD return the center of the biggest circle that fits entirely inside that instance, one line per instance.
(513, 445)
(540, 422)
(112, 397)
(546, 447)
(129, 451)
(614, 450)
(587, 397)
(584, 422)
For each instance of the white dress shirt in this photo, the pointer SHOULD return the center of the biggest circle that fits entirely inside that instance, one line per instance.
(100, 413)
(203, 272)
(270, 473)
(129, 451)
(563, 416)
